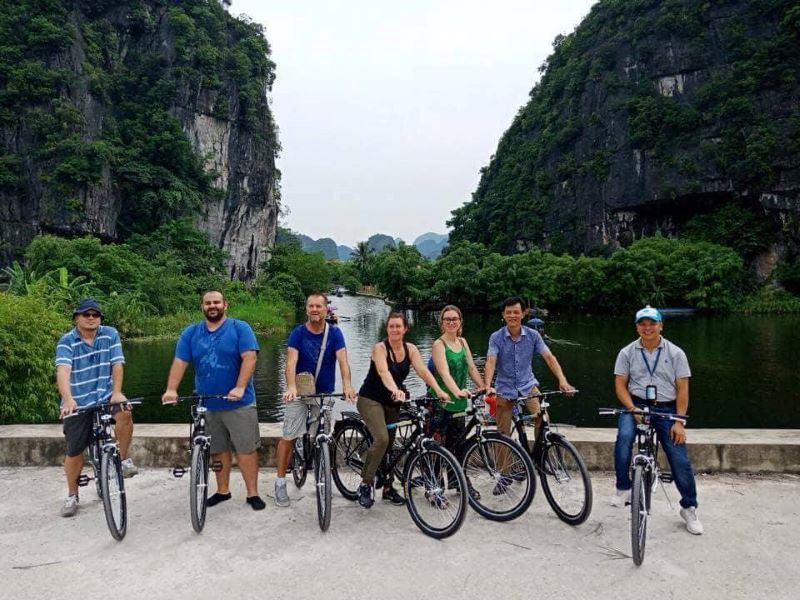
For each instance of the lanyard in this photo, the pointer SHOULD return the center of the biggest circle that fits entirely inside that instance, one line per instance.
(647, 364)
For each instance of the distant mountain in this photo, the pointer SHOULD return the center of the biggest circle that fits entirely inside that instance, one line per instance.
(344, 252)
(326, 246)
(430, 245)
(379, 241)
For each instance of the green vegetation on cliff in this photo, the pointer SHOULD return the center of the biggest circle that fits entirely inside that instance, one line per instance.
(661, 109)
(94, 98)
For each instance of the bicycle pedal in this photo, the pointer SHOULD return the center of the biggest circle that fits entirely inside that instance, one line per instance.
(216, 466)
(179, 472)
(84, 480)
(666, 477)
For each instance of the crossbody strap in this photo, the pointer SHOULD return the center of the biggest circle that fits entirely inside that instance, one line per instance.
(321, 352)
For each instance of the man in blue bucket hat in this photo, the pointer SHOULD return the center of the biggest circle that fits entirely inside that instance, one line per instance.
(89, 368)
(654, 372)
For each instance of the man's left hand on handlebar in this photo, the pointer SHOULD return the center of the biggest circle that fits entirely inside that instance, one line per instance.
(566, 387)
(235, 394)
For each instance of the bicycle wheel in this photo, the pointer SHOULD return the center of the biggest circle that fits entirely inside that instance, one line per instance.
(500, 477)
(639, 514)
(322, 474)
(114, 504)
(350, 444)
(436, 491)
(198, 485)
(299, 469)
(565, 480)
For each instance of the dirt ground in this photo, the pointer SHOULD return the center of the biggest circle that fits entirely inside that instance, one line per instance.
(750, 549)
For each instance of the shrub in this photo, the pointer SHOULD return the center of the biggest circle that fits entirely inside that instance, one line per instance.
(29, 331)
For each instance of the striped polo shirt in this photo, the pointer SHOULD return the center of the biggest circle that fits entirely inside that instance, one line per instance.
(90, 364)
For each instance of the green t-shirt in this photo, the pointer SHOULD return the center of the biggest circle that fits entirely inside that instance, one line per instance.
(459, 370)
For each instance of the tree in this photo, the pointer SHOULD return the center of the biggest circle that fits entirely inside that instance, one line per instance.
(362, 258)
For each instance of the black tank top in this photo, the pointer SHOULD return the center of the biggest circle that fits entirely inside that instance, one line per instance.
(374, 389)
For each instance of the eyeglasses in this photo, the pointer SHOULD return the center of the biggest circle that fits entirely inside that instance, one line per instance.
(91, 315)
(451, 319)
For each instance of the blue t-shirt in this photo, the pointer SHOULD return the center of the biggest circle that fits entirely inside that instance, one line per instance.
(308, 345)
(90, 365)
(217, 358)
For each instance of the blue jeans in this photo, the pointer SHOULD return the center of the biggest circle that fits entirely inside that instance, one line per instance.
(677, 455)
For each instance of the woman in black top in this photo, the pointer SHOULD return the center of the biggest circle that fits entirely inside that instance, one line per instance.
(379, 400)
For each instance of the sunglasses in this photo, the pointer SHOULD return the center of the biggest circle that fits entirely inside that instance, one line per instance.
(91, 315)
(451, 319)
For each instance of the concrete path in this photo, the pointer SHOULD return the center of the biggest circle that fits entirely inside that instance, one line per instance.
(750, 548)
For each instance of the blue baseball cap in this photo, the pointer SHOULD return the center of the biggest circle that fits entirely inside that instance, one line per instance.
(86, 305)
(648, 312)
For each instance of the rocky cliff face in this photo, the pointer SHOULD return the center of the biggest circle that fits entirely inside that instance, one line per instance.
(649, 114)
(144, 112)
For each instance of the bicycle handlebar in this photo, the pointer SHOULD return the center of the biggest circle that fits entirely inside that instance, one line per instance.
(100, 405)
(194, 397)
(646, 412)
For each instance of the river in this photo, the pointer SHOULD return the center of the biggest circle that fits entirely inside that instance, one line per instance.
(743, 372)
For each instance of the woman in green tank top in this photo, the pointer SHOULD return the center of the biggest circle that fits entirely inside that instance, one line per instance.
(452, 360)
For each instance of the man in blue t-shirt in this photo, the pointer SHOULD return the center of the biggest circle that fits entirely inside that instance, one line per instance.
(302, 356)
(223, 353)
(89, 368)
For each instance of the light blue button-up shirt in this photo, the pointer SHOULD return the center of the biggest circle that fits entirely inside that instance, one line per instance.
(515, 360)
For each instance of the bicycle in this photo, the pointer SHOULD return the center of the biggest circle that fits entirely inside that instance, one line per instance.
(566, 482)
(304, 459)
(500, 476)
(106, 463)
(433, 482)
(645, 472)
(199, 461)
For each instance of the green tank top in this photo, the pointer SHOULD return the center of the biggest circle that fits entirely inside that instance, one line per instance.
(459, 370)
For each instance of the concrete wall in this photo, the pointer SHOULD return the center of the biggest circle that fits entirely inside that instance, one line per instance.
(162, 446)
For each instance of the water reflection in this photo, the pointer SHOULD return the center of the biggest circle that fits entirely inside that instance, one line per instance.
(742, 373)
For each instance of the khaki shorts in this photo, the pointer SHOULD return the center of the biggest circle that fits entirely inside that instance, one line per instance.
(237, 428)
(295, 415)
(505, 407)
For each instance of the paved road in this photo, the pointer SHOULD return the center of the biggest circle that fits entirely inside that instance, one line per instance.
(750, 549)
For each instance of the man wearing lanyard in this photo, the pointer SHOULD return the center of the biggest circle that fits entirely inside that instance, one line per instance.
(654, 372)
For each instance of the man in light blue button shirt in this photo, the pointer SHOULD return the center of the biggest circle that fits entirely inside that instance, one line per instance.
(511, 351)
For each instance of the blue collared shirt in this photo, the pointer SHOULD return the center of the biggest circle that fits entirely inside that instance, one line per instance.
(90, 365)
(515, 360)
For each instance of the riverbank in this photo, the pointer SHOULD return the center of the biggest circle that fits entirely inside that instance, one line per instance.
(749, 548)
(165, 445)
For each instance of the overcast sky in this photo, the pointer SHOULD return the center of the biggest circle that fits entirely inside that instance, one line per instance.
(387, 110)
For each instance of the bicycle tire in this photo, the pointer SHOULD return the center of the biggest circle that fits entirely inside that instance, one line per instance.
(299, 468)
(350, 443)
(639, 514)
(566, 482)
(498, 492)
(322, 474)
(114, 503)
(198, 485)
(436, 491)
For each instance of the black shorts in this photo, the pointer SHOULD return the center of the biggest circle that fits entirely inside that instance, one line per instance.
(78, 430)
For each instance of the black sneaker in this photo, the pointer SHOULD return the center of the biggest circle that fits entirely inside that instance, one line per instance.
(365, 495)
(392, 496)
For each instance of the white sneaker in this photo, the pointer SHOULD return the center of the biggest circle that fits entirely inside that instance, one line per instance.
(281, 494)
(128, 468)
(70, 506)
(621, 498)
(693, 524)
